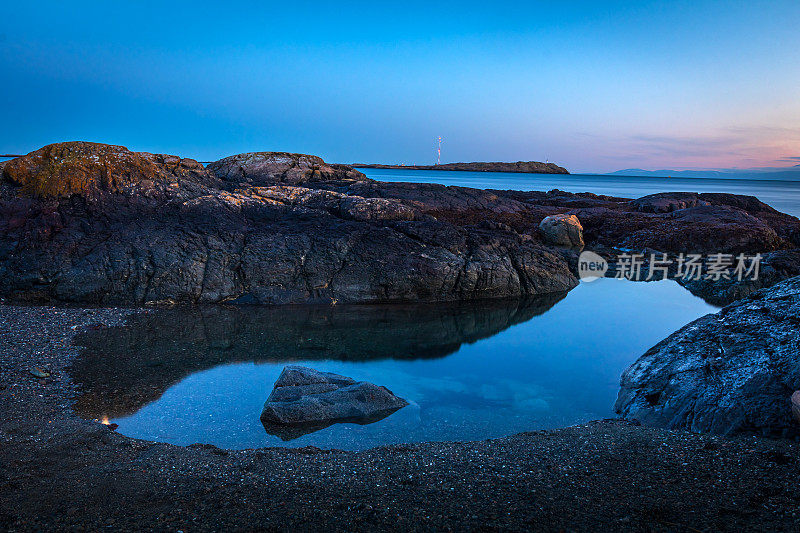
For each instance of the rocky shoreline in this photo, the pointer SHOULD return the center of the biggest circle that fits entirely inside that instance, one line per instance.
(99, 224)
(59, 471)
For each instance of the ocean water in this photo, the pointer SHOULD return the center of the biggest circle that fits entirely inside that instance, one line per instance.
(469, 371)
(783, 195)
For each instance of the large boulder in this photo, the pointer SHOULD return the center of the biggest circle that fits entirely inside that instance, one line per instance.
(304, 396)
(732, 372)
(562, 230)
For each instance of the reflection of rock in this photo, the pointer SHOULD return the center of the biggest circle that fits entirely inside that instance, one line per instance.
(123, 368)
(562, 230)
(730, 372)
(303, 396)
(774, 267)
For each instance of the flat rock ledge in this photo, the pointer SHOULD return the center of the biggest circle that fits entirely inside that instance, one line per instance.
(306, 397)
(733, 372)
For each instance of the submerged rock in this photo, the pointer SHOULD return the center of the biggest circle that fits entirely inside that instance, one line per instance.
(732, 372)
(562, 230)
(304, 396)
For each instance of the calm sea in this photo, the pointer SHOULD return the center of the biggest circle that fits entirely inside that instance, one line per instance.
(470, 372)
(782, 195)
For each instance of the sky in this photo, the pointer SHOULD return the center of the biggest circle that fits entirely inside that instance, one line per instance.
(593, 86)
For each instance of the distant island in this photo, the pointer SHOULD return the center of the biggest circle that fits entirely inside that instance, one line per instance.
(533, 167)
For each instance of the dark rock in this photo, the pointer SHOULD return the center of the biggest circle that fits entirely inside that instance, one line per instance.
(730, 373)
(280, 168)
(774, 267)
(85, 222)
(163, 229)
(667, 202)
(303, 396)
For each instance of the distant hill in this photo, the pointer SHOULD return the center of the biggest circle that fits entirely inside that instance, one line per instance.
(773, 173)
(534, 167)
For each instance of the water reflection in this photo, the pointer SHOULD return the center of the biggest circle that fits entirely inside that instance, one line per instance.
(468, 371)
(121, 369)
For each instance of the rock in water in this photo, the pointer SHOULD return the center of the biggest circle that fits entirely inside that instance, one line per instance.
(562, 230)
(305, 396)
(732, 372)
(796, 404)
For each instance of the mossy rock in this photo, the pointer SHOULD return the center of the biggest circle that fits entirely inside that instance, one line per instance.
(82, 168)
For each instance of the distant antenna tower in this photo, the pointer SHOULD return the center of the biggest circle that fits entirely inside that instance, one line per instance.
(439, 149)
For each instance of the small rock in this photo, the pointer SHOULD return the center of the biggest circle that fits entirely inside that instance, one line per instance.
(306, 396)
(562, 230)
(39, 373)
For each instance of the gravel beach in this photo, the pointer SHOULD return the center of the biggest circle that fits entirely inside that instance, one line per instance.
(61, 472)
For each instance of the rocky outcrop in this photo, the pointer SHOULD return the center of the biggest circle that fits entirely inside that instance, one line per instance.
(94, 223)
(306, 397)
(280, 168)
(562, 230)
(137, 228)
(667, 202)
(90, 169)
(732, 372)
(532, 167)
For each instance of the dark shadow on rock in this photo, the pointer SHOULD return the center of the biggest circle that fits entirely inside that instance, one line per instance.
(121, 369)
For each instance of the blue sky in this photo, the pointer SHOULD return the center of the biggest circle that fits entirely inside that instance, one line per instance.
(595, 86)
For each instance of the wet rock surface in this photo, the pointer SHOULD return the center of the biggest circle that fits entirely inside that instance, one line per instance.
(61, 472)
(732, 372)
(93, 223)
(304, 396)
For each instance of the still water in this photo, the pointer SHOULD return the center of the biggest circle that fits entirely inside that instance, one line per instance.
(783, 195)
(469, 371)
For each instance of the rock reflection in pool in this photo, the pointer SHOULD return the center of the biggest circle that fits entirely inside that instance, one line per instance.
(471, 371)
